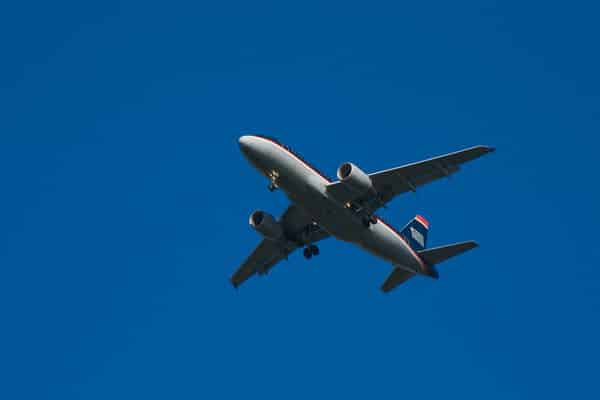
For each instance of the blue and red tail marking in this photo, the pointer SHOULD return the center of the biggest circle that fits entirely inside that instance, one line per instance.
(415, 233)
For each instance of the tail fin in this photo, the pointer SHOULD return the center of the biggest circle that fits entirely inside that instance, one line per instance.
(415, 232)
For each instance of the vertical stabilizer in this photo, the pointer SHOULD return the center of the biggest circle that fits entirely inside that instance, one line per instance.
(415, 232)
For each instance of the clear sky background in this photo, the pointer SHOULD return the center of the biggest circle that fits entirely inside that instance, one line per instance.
(125, 199)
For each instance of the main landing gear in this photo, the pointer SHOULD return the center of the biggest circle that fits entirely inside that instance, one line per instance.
(310, 251)
(368, 221)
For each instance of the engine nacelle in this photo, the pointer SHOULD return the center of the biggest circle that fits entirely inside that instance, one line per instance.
(266, 225)
(355, 178)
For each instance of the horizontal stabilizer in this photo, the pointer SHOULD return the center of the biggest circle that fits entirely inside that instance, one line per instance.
(397, 277)
(437, 255)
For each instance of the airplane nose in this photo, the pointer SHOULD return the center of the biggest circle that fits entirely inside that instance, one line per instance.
(244, 143)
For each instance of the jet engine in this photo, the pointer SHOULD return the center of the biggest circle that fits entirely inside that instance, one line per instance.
(355, 178)
(265, 224)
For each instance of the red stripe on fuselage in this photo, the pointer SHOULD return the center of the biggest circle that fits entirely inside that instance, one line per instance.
(304, 163)
(311, 168)
(395, 232)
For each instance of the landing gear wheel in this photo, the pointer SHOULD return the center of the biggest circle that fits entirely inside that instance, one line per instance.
(307, 253)
(314, 250)
(272, 187)
(373, 220)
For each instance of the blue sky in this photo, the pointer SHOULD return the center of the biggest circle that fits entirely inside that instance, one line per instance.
(125, 198)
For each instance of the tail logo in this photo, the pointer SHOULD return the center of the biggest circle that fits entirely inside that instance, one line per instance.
(417, 236)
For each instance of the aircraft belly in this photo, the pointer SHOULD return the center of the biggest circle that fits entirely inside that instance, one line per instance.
(344, 225)
(336, 220)
(308, 191)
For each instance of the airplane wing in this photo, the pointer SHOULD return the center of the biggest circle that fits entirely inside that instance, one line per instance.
(264, 257)
(298, 228)
(392, 182)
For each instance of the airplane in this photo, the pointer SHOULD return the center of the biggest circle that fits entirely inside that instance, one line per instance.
(345, 209)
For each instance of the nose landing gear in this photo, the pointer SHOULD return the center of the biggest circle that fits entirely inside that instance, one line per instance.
(368, 221)
(273, 176)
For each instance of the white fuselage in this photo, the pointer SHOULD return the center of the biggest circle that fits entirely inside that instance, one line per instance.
(307, 188)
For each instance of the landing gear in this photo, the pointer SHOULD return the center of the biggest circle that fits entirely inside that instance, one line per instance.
(310, 251)
(368, 221)
(273, 176)
(307, 253)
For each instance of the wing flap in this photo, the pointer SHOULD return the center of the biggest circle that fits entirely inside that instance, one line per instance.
(392, 182)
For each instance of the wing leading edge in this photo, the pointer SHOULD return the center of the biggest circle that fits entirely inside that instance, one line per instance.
(392, 182)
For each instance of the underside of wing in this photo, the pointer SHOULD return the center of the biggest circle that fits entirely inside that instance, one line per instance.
(263, 258)
(392, 182)
(397, 277)
(299, 229)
